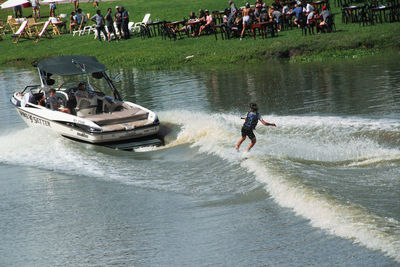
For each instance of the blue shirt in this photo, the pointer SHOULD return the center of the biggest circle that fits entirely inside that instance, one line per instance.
(53, 102)
(125, 14)
(297, 11)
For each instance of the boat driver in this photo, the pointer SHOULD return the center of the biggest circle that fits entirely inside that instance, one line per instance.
(54, 102)
(81, 91)
(84, 98)
(77, 93)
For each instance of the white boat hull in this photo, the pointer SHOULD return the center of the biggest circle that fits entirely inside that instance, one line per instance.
(30, 116)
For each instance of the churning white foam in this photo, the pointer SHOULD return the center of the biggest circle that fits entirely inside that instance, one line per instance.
(37, 147)
(327, 139)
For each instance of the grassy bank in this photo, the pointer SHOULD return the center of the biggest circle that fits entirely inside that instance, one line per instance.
(348, 41)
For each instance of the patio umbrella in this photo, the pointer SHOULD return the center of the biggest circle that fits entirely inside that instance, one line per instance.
(13, 3)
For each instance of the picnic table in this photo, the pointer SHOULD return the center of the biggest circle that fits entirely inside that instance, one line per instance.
(194, 25)
(262, 27)
(382, 13)
(219, 16)
(174, 29)
(314, 22)
(350, 13)
(320, 4)
(58, 25)
(156, 27)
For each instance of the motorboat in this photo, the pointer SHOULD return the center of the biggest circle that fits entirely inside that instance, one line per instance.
(100, 116)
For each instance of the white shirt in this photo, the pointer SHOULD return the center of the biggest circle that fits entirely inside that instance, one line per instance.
(309, 8)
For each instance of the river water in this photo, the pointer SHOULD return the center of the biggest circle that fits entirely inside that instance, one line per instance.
(322, 188)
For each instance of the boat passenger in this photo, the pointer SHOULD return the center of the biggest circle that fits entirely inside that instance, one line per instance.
(55, 103)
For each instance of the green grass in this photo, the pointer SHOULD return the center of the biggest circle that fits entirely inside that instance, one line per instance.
(349, 41)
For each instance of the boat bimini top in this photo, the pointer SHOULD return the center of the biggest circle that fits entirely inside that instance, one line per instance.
(73, 65)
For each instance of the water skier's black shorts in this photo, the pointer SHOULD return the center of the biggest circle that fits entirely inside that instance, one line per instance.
(248, 132)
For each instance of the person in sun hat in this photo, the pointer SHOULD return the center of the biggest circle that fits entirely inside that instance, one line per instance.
(118, 20)
(251, 120)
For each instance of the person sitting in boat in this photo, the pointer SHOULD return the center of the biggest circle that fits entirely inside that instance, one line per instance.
(55, 103)
(81, 90)
(85, 100)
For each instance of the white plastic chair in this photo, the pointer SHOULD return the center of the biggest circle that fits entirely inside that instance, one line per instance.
(136, 27)
(88, 28)
(79, 31)
(102, 34)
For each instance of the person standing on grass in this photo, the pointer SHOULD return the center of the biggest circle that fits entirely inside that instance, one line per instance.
(95, 4)
(99, 19)
(35, 8)
(18, 11)
(76, 4)
(125, 22)
(110, 24)
(246, 19)
(232, 7)
(118, 20)
(52, 7)
(250, 124)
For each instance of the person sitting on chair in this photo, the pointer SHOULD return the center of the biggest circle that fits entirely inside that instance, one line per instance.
(54, 102)
(209, 22)
(72, 23)
(325, 14)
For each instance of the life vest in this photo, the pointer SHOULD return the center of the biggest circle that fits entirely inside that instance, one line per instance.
(251, 120)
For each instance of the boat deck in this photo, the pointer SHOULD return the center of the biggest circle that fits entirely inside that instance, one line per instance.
(126, 119)
(124, 116)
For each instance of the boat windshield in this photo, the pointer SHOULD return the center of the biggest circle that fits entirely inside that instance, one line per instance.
(92, 84)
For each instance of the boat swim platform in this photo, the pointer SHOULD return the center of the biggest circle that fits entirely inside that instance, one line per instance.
(136, 143)
(130, 144)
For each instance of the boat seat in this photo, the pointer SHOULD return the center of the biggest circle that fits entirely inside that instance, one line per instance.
(63, 96)
(127, 115)
(86, 106)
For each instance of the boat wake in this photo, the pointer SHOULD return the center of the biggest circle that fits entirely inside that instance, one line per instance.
(306, 141)
(298, 146)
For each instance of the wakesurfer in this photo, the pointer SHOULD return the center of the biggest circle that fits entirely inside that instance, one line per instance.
(250, 124)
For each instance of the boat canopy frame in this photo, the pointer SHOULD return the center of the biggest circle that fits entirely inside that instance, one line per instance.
(73, 65)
